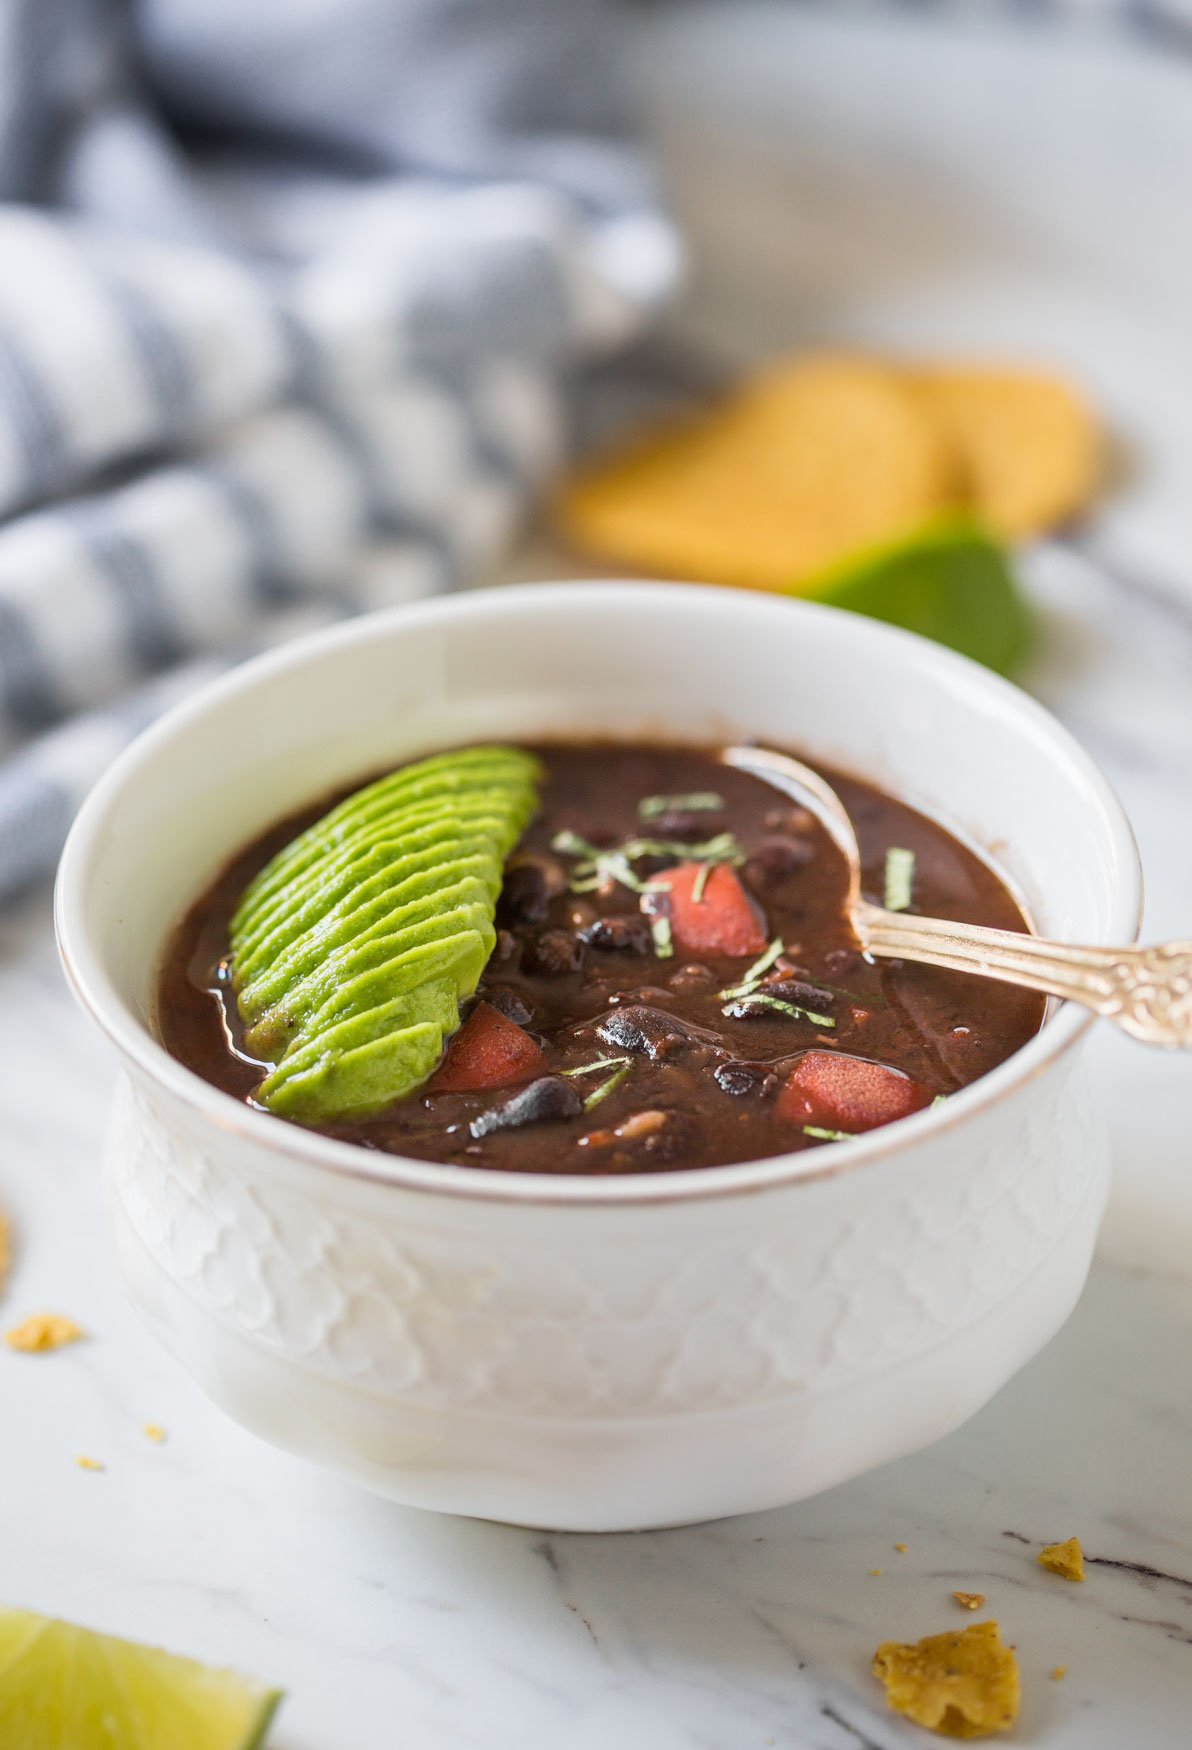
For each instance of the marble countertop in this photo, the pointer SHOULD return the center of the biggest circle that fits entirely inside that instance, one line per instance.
(391, 1627)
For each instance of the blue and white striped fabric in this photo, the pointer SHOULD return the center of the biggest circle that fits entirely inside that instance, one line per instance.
(289, 295)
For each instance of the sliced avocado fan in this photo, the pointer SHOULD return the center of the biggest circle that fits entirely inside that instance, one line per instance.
(352, 949)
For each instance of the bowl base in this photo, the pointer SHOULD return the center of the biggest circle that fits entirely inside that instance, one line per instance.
(605, 1474)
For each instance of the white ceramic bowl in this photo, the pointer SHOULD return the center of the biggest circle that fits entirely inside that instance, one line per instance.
(598, 1353)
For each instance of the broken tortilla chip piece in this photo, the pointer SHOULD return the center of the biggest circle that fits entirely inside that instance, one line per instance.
(963, 1684)
(1028, 447)
(1065, 1559)
(5, 1248)
(809, 460)
(41, 1332)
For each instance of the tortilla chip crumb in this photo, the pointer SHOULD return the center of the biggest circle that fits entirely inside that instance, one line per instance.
(1058, 1673)
(902, 1548)
(41, 1332)
(90, 1464)
(969, 1600)
(875, 1573)
(1065, 1559)
(152, 1431)
(5, 1248)
(963, 1684)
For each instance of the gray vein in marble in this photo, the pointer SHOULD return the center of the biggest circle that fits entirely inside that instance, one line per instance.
(855, 1735)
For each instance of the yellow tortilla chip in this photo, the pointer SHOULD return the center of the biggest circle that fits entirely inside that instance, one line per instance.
(1029, 449)
(963, 1684)
(41, 1332)
(1065, 1559)
(810, 460)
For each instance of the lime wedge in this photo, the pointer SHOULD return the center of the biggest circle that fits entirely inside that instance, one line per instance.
(950, 581)
(68, 1688)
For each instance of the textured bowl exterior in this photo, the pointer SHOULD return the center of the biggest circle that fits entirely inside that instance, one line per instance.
(598, 1353)
(601, 1369)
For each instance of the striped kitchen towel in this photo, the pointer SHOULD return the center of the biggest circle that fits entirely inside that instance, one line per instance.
(289, 297)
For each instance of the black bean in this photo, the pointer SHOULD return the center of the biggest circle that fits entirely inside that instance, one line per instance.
(645, 1032)
(692, 978)
(603, 836)
(775, 860)
(758, 1007)
(745, 1079)
(545, 1101)
(509, 1004)
(802, 994)
(550, 868)
(661, 1147)
(629, 934)
(689, 824)
(552, 955)
(525, 897)
(838, 960)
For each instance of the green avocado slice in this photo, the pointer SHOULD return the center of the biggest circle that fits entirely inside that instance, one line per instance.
(444, 778)
(353, 948)
(323, 957)
(296, 1012)
(317, 964)
(449, 962)
(430, 1001)
(346, 915)
(359, 1082)
(456, 961)
(435, 779)
(314, 891)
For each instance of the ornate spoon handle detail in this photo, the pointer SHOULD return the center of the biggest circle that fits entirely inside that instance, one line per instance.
(1147, 991)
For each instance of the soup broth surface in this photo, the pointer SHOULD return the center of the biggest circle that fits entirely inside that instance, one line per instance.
(654, 1049)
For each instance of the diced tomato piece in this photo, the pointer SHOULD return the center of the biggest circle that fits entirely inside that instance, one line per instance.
(489, 1051)
(837, 1092)
(723, 920)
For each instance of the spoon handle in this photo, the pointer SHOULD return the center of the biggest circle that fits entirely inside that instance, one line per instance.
(1147, 991)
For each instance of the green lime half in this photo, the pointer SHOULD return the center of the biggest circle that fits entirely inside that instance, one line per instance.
(950, 581)
(68, 1688)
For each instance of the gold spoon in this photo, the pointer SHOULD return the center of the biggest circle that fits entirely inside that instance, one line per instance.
(1147, 991)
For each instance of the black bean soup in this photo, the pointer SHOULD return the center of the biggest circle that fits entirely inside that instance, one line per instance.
(674, 982)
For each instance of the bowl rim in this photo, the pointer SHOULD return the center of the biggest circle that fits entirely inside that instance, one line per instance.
(307, 1149)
